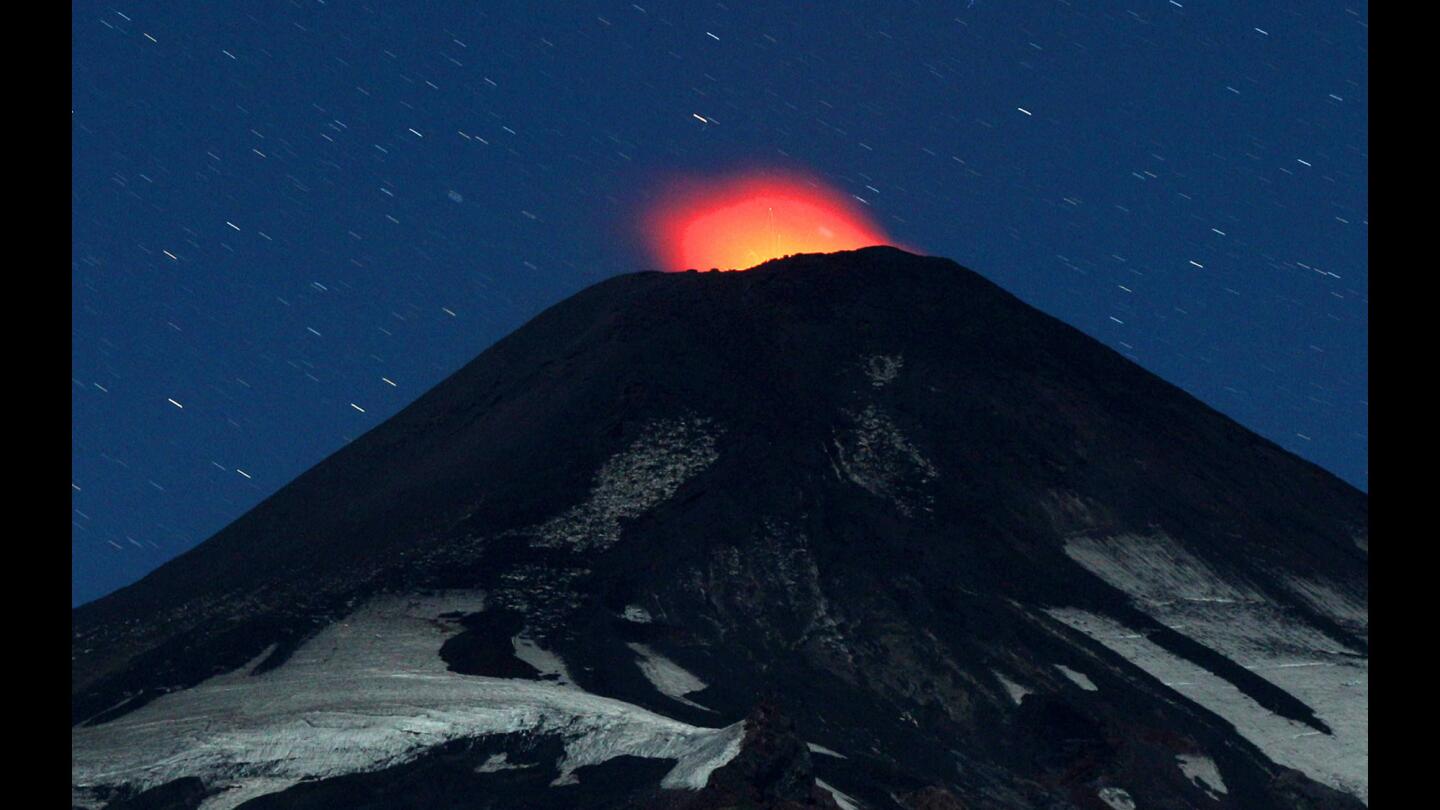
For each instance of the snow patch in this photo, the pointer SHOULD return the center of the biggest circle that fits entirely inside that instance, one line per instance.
(668, 453)
(637, 614)
(697, 755)
(368, 693)
(668, 677)
(1346, 609)
(501, 762)
(820, 749)
(1155, 569)
(550, 665)
(713, 752)
(1016, 692)
(1201, 771)
(1117, 798)
(845, 802)
(1079, 678)
(1340, 760)
(1271, 639)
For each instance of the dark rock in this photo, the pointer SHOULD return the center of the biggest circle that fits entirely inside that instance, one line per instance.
(932, 798)
(182, 794)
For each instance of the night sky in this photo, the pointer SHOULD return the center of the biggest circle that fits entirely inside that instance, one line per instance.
(291, 219)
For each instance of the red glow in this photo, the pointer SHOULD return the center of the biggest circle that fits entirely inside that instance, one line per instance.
(739, 222)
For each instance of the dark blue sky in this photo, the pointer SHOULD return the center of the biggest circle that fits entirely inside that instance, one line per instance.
(280, 209)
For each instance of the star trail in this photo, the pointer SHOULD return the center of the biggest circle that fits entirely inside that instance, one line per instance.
(291, 219)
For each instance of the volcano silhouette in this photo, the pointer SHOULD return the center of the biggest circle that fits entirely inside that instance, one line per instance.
(846, 530)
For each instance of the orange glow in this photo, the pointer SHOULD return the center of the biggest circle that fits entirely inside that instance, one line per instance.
(739, 222)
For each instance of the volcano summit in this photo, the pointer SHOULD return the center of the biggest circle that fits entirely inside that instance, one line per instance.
(856, 530)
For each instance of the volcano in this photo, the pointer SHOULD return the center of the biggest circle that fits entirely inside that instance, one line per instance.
(852, 530)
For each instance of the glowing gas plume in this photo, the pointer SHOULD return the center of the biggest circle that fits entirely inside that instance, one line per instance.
(738, 222)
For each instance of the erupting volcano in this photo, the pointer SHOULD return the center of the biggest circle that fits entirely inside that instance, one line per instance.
(741, 221)
(858, 530)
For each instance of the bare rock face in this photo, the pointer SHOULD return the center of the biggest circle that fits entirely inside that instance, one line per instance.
(848, 531)
(932, 798)
(186, 793)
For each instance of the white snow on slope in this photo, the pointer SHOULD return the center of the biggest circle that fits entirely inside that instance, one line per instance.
(1238, 621)
(668, 453)
(368, 693)
(1155, 569)
(1341, 760)
(1346, 609)
(1080, 679)
(1201, 770)
(845, 802)
(1016, 692)
(1117, 798)
(550, 665)
(501, 762)
(637, 614)
(668, 678)
(816, 748)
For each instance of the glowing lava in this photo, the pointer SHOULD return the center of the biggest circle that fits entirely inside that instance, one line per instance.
(739, 222)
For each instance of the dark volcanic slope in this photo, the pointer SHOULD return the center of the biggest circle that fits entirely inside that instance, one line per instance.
(952, 538)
